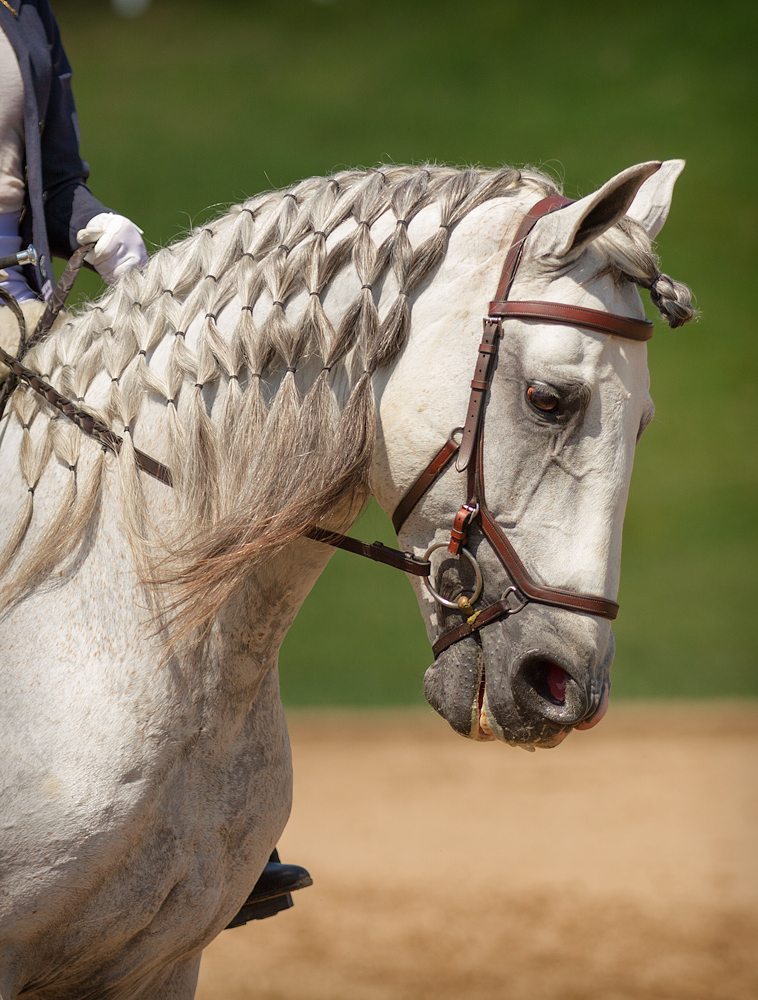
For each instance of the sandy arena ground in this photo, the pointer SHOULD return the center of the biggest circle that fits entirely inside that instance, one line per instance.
(619, 866)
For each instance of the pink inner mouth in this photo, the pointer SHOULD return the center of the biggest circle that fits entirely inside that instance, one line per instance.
(555, 678)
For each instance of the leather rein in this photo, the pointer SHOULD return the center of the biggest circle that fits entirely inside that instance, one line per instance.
(469, 451)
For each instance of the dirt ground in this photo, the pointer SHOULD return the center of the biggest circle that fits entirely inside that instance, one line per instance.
(619, 866)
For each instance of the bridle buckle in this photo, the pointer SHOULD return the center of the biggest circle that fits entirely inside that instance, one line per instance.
(461, 524)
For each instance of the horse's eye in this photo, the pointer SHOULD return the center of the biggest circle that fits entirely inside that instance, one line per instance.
(543, 399)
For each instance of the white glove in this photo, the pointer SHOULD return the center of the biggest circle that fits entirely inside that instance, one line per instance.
(118, 245)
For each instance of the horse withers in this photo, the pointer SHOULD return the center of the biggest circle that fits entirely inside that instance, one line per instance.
(309, 348)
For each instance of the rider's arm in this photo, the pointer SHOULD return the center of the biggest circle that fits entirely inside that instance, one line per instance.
(69, 204)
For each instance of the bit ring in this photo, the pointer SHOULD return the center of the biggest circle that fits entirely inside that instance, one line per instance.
(437, 596)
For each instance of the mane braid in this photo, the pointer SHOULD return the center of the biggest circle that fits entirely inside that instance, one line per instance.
(267, 402)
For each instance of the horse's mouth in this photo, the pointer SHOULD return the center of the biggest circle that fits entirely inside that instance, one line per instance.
(483, 733)
(532, 699)
(551, 686)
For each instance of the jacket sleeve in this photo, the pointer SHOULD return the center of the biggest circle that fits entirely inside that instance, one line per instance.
(69, 203)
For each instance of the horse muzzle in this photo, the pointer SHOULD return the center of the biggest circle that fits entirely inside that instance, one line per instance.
(528, 680)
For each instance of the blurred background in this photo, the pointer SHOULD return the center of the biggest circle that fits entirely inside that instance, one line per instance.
(187, 107)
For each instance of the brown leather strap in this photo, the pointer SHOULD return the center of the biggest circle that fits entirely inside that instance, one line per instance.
(62, 289)
(530, 220)
(460, 529)
(91, 426)
(374, 550)
(492, 613)
(442, 459)
(593, 319)
(555, 596)
(479, 386)
(522, 580)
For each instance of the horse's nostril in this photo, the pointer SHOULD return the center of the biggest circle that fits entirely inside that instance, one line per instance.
(545, 691)
(547, 679)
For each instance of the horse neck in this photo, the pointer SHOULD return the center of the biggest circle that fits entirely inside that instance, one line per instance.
(220, 442)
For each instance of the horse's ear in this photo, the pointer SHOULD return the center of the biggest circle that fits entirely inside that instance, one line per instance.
(565, 234)
(653, 200)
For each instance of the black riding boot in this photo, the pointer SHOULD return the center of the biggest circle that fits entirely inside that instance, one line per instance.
(271, 893)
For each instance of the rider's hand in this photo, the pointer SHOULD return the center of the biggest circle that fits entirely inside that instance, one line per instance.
(118, 245)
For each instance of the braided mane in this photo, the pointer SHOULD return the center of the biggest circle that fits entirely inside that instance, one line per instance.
(268, 402)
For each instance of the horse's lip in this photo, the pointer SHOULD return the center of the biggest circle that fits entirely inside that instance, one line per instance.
(554, 741)
(483, 734)
(598, 715)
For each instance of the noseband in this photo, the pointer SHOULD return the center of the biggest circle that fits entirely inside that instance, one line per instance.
(469, 450)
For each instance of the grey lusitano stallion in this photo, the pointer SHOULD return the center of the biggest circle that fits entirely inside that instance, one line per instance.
(309, 348)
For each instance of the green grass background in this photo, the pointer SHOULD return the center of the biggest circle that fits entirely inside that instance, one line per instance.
(196, 105)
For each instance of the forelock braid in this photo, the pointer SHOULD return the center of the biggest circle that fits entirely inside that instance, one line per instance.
(629, 254)
(673, 299)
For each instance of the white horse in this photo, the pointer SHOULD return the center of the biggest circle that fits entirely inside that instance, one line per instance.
(310, 347)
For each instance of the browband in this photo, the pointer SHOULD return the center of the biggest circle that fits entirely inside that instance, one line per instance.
(592, 319)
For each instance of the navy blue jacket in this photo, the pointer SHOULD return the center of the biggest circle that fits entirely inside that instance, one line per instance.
(58, 201)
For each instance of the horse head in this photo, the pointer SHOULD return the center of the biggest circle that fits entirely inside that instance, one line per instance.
(566, 407)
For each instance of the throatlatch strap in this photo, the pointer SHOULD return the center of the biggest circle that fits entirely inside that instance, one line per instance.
(442, 459)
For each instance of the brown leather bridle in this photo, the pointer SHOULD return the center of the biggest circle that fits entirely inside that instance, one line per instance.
(469, 450)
